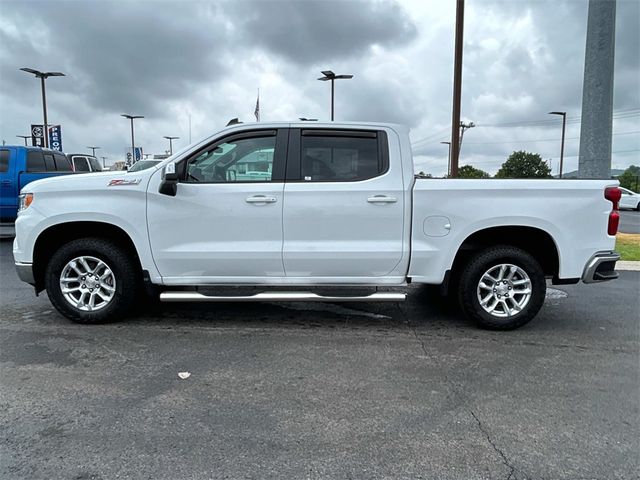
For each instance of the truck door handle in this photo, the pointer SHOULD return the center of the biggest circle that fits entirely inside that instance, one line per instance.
(261, 199)
(382, 199)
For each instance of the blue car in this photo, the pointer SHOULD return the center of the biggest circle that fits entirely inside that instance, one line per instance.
(22, 165)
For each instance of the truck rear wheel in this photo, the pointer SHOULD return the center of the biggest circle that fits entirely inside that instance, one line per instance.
(502, 288)
(91, 280)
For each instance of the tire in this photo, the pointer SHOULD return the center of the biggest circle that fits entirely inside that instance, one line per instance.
(638, 207)
(484, 279)
(116, 283)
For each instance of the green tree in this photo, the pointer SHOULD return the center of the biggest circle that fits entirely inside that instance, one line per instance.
(523, 164)
(630, 178)
(467, 171)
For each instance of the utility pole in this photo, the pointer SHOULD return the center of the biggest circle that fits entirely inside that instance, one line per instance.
(93, 150)
(457, 88)
(43, 76)
(597, 91)
(329, 75)
(104, 164)
(564, 126)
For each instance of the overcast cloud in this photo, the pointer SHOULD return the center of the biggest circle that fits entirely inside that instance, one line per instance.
(171, 60)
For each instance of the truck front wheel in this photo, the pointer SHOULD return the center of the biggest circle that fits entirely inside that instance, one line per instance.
(502, 288)
(91, 280)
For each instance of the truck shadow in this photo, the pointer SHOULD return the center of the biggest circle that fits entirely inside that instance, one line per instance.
(423, 308)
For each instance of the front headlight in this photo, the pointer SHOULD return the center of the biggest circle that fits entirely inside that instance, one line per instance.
(24, 200)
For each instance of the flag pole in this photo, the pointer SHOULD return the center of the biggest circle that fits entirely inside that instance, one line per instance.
(257, 110)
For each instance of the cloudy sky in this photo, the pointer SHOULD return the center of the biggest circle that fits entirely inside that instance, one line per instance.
(205, 60)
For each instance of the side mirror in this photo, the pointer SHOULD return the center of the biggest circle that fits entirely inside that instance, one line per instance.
(170, 177)
(170, 173)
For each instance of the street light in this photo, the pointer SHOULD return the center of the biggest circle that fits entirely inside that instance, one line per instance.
(93, 150)
(25, 138)
(449, 159)
(43, 76)
(171, 139)
(564, 125)
(104, 163)
(329, 75)
(133, 142)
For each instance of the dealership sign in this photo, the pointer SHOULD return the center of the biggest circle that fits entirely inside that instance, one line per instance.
(55, 136)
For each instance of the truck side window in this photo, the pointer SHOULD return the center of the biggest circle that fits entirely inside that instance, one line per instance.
(4, 161)
(49, 163)
(35, 161)
(81, 164)
(241, 160)
(95, 164)
(62, 163)
(339, 158)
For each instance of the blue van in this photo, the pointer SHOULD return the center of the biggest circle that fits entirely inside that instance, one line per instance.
(21, 165)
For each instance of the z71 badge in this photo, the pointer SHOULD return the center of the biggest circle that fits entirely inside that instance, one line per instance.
(121, 182)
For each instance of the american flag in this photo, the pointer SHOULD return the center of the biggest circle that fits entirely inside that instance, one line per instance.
(256, 112)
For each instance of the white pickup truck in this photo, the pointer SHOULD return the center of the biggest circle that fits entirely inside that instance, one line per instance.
(289, 209)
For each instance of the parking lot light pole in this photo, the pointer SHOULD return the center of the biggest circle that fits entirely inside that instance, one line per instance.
(564, 126)
(93, 150)
(329, 75)
(25, 138)
(133, 141)
(43, 76)
(171, 139)
(104, 162)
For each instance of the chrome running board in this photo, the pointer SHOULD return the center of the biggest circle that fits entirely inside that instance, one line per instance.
(280, 297)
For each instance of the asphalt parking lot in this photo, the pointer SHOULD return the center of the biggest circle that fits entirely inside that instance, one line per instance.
(321, 390)
(629, 221)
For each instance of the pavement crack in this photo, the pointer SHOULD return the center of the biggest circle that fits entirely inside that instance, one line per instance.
(413, 330)
(503, 457)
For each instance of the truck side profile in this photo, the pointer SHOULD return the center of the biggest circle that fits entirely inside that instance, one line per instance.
(334, 205)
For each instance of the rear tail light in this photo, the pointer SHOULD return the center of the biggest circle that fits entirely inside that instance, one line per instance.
(613, 194)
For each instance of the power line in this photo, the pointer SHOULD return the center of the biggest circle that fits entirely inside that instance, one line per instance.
(575, 119)
(437, 136)
(541, 140)
(437, 140)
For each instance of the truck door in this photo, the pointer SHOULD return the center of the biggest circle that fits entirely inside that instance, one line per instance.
(343, 205)
(8, 192)
(225, 222)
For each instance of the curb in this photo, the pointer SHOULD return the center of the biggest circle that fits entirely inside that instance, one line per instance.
(628, 266)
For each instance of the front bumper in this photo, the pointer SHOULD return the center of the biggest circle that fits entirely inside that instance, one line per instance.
(25, 272)
(601, 267)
